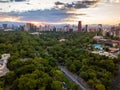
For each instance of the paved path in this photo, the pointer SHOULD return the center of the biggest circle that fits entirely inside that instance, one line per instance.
(74, 78)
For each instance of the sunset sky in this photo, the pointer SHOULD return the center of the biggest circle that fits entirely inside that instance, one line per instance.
(61, 11)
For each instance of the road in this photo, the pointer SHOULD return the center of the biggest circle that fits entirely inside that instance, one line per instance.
(74, 78)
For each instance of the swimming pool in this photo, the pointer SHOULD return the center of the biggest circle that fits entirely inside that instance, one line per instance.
(98, 46)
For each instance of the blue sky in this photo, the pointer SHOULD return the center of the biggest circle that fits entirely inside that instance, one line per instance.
(61, 11)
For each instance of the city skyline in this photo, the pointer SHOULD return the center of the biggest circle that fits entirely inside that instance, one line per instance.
(60, 11)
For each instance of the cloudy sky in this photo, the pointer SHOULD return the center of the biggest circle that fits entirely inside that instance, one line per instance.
(61, 11)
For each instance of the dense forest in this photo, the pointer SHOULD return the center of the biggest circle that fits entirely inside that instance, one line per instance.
(34, 58)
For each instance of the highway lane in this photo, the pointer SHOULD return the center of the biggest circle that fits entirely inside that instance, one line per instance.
(76, 79)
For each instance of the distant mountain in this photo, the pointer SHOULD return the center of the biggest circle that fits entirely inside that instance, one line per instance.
(11, 23)
(12, 0)
(4, 0)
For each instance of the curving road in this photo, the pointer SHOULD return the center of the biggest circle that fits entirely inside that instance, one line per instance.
(74, 78)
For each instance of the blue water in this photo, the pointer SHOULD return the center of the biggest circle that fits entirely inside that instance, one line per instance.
(98, 46)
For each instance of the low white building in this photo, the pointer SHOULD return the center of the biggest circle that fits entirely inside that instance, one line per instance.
(35, 33)
(62, 40)
(5, 56)
(3, 62)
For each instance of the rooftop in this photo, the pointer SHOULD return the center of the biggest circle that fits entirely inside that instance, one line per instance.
(98, 37)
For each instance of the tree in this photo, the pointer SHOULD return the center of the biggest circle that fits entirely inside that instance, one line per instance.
(100, 87)
(118, 87)
(1, 83)
(9, 78)
(15, 64)
(56, 85)
(42, 88)
(1, 89)
(72, 67)
(77, 64)
(26, 83)
(91, 83)
(84, 75)
(91, 74)
(23, 53)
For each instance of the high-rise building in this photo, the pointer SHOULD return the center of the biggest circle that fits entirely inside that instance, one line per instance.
(79, 26)
(100, 28)
(27, 27)
(117, 32)
(86, 28)
(4, 26)
(54, 29)
(30, 27)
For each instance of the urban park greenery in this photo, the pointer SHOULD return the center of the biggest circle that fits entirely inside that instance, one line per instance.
(34, 58)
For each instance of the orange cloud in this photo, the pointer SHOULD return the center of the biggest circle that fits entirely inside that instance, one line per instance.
(10, 18)
(18, 19)
(36, 23)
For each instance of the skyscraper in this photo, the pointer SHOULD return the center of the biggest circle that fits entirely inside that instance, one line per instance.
(99, 27)
(30, 27)
(79, 26)
(86, 28)
(27, 27)
(4, 26)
